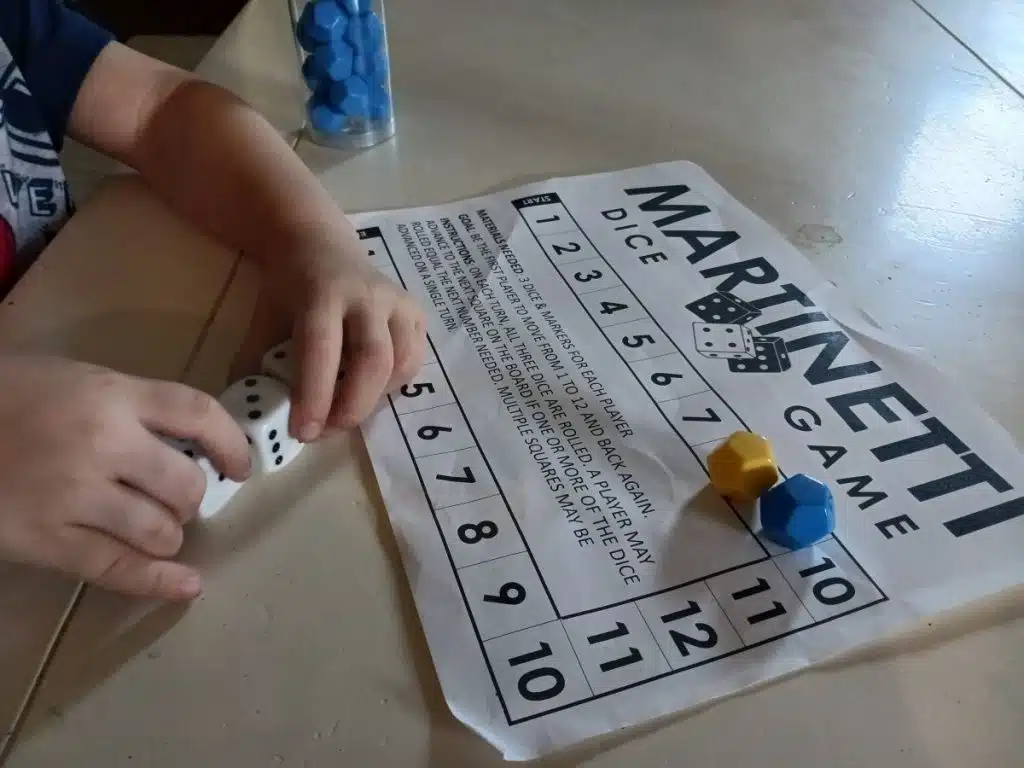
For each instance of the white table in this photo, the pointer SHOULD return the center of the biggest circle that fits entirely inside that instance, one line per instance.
(861, 130)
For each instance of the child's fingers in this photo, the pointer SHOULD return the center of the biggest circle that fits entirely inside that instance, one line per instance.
(178, 410)
(111, 564)
(165, 476)
(409, 344)
(135, 519)
(370, 359)
(318, 338)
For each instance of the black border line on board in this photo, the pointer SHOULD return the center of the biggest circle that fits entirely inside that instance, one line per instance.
(863, 570)
(442, 453)
(451, 562)
(734, 652)
(508, 507)
(557, 199)
(615, 272)
(476, 445)
(494, 477)
(437, 522)
(796, 592)
(658, 405)
(435, 407)
(654, 637)
(683, 585)
(455, 570)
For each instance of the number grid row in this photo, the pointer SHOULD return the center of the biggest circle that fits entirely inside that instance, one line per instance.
(608, 650)
(553, 199)
(810, 611)
(709, 424)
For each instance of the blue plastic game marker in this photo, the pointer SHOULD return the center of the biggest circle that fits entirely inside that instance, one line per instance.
(797, 512)
(347, 73)
(324, 117)
(351, 97)
(330, 63)
(321, 22)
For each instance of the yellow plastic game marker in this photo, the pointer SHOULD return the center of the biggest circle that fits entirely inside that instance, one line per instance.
(743, 467)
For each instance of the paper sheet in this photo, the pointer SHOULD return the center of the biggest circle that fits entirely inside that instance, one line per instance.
(545, 471)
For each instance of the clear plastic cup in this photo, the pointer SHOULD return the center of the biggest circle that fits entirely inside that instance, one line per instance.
(345, 66)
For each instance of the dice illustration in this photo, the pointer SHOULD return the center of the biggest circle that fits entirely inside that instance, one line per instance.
(261, 406)
(723, 340)
(770, 356)
(723, 307)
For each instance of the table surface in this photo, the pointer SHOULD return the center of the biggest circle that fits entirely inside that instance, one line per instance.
(885, 141)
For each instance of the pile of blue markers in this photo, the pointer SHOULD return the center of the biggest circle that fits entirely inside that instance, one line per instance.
(346, 65)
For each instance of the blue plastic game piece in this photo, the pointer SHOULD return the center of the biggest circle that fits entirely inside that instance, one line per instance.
(365, 33)
(353, 7)
(321, 22)
(797, 512)
(332, 62)
(351, 97)
(312, 75)
(373, 67)
(323, 117)
(304, 34)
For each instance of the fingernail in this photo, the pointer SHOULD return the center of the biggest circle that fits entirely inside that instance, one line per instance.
(192, 585)
(309, 431)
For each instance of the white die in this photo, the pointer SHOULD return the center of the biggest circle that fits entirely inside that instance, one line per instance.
(261, 406)
(279, 363)
(724, 340)
(219, 488)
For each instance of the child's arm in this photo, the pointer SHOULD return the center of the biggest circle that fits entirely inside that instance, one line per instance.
(225, 168)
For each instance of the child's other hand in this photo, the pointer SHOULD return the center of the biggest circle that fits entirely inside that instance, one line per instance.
(86, 488)
(342, 314)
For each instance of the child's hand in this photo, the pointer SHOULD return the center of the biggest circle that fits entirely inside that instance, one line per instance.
(86, 488)
(343, 314)
(228, 171)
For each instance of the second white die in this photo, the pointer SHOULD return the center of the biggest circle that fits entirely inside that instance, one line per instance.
(261, 406)
(220, 489)
(278, 363)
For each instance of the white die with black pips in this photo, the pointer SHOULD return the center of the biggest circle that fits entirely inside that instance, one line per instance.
(261, 405)
(220, 489)
(278, 363)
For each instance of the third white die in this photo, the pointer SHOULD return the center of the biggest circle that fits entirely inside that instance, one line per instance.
(220, 489)
(261, 406)
(278, 363)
